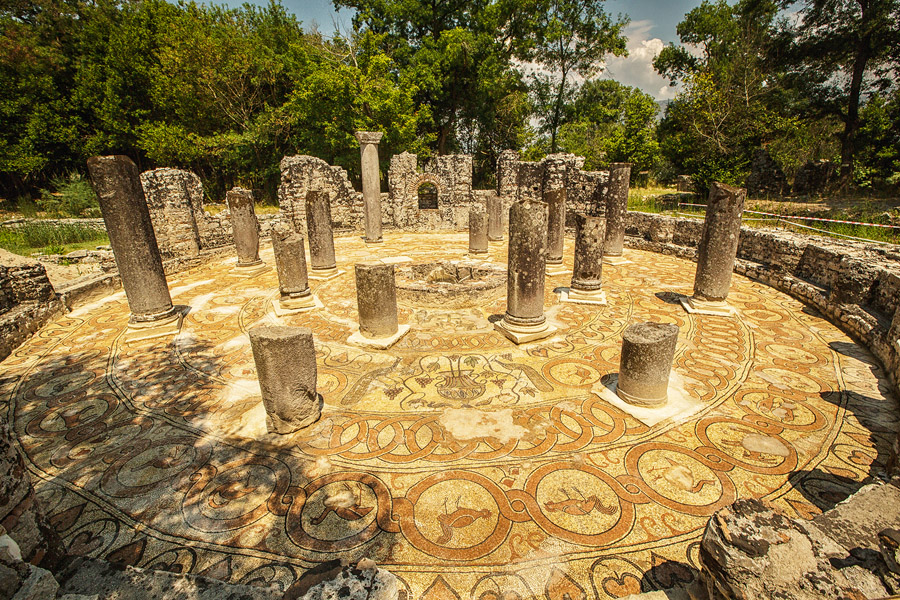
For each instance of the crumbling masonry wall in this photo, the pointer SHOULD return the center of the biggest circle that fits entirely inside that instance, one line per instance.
(303, 174)
(451, 175)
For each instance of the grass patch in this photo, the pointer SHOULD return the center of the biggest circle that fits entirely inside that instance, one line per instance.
(259, 208)
(50, 239)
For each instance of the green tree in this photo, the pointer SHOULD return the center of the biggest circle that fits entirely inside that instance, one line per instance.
(839, 52)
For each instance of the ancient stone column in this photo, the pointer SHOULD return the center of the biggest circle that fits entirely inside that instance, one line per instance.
(320, 235)
(616, 208)
(376, 300)
(717, 250)
(586, 286)
(556, 225)
(290, 262)
(495, 217)
(371, 183)
(478, 230)
(524, 320)
(117, 183)
(245, 228)
(285, 360)
(647, 353)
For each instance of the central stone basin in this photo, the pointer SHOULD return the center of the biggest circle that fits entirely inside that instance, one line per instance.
(450, 284)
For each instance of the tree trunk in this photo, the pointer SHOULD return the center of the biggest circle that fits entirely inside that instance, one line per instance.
(851, 125)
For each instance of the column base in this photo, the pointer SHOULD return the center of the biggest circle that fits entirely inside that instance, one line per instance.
(290, 306)
(381, 241)
(496, 239)
(250, 270)
(520, 334)
(680, 405)
(695, 305)
(579, 297)
(555, 270)
(324, 274)
(145, 330)
(616, 260)
(633, 400)
(382, 343)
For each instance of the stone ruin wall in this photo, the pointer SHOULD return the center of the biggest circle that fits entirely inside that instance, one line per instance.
(767, 179)
(302, 174)
(451, 175)
(27, 300)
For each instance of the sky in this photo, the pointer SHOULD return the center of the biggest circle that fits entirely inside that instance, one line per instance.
(652, 27)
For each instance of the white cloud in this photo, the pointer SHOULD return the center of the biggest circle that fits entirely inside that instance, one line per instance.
(636, 69)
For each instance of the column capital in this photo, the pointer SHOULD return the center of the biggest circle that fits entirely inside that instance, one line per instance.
(368, 137)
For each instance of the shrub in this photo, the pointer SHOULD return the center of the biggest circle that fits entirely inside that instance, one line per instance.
(74, 197)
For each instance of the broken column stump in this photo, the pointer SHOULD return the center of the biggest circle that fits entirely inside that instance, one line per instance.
(616, 210)
(320, 235)
(246, 232)
(647, 353)
(495, 216)
(717, 251)
(478, 230)
(586, 286)
(376, 299)
(285, 360)
(524, 320)
(371, 183)
(118, 186)
(290, 263)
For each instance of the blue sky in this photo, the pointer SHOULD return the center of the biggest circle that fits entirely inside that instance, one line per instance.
(652, 27)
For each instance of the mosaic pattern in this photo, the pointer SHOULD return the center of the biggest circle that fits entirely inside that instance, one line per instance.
(469, 467)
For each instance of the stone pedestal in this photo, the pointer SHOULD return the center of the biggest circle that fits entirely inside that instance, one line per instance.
(478, 230)
(616, 208)
(556, 225)
(376, 300)
(371, 183)
(524, 320)
(285, 360)
(586, 286)
(717, 250)
(290, 262)
(118, 186)
(495, 217)
(647, 353)
(320, 234)
(246, 231)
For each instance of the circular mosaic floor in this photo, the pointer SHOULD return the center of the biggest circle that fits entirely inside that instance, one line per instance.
(466, 465)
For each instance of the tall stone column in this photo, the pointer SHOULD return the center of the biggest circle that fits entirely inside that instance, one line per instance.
(285, 360)
(717, 250)
(376, 300)
(524, 320)
(290, 263)
(495, 217)
(616, 208)
(320, 235)
(371, 183)
(586, 286)
(478, 230)
(556, 225)
(245, 230)
(647, 353)
(118, 186)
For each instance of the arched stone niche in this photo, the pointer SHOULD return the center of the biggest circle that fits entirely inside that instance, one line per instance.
(451, 177)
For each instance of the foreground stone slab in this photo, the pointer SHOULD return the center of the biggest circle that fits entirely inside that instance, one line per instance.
(334, 580)
(285, 360)
(118, 186)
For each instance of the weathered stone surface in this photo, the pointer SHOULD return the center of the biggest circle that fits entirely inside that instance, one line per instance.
(889, 544)
(371, 183)
(20, 513)
(616, 208)
(647, 353)
(527, 262)
(495, 216)
(285, 360)
(590, 233)
(813, 177)
(766, 177)
(335, 581)
(586, 191)
(320, 234)
(855, 279)
(245, 225)
(556, 224)
(478, 230)
(118, 187)
(303, 174)
(89, 576)
(855, 522)
(451, 178)
(290, 262)
(22, 581)
(719, 243)
(751, 550)
(376, 297)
